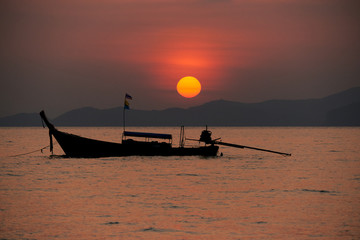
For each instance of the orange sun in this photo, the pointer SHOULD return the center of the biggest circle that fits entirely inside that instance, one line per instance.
(188, 87)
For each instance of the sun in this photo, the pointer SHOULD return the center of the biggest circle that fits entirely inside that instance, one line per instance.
(188, 87)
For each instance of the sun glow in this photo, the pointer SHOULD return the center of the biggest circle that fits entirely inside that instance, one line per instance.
(188, 87)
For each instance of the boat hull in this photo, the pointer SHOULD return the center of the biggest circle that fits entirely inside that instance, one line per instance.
(76, 146)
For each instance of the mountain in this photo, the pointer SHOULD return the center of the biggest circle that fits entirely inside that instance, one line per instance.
(21, 120)
(341, 109)
(348, 115)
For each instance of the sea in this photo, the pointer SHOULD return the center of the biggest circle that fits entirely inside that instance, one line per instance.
(243, 194)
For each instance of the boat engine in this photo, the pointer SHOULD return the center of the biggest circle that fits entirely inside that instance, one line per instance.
(206, 136)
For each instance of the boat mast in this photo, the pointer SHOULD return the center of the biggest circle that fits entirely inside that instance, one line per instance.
(126, 106)
(182, 137)
(124, 119)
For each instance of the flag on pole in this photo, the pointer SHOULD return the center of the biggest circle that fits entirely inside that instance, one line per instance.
(127, 96)
(126, 103)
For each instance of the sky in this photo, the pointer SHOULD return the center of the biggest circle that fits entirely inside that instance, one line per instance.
(62, 55)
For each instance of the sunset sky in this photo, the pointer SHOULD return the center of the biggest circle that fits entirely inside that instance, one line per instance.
(61, 55)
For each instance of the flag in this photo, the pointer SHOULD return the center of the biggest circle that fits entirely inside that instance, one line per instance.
(127, 96)
(126, 105)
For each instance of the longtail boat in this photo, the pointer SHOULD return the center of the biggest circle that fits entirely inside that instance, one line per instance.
(77, 146)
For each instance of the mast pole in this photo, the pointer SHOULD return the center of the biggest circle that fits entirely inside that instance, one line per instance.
(124, 114)
(126, 106)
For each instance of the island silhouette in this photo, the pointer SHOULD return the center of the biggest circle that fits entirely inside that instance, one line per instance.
(340, 109)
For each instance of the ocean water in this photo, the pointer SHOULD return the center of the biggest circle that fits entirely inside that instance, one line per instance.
(244, 194)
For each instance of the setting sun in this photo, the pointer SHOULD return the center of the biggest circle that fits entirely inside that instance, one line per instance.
(188, 87)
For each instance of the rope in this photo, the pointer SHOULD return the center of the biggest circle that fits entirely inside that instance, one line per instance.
(30, 152)
(41, 149)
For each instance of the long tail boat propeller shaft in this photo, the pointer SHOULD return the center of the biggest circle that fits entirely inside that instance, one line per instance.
(206, 138)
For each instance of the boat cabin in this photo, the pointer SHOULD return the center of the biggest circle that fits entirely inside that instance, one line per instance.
(147, 136)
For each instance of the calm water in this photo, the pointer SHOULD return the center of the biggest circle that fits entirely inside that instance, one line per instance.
(246, 194)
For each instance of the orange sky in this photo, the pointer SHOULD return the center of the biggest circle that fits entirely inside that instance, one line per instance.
(93, 52)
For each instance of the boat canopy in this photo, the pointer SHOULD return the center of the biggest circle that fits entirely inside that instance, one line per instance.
(147, 135)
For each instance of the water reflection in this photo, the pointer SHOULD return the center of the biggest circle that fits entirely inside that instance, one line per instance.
(242, 195)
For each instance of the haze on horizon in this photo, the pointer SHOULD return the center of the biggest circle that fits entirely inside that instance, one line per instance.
(61, 55)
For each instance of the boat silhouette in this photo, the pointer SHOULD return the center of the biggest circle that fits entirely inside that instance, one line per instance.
(77, 146)
(153, 144)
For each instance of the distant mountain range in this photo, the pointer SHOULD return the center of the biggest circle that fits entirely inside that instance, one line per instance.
(341, 109)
